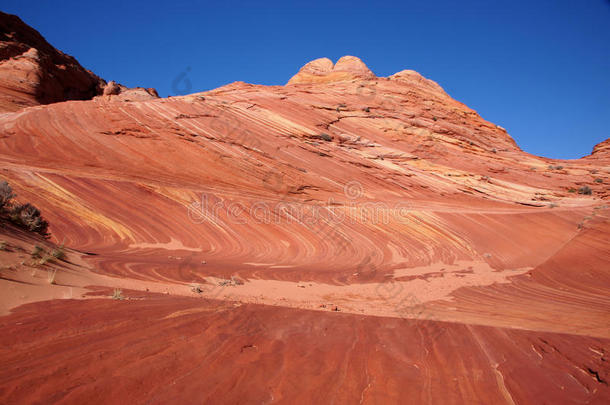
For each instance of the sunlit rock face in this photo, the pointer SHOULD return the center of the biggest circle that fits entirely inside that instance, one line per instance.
(375, 225)
(323, 71)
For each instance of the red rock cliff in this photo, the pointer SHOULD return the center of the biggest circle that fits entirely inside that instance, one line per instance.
(34, 72)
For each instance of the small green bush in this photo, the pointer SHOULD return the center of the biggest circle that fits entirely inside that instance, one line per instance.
(37, 252)
(59, 252)
(6, 195)
(586, 190)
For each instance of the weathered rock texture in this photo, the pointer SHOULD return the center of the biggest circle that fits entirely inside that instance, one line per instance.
(390, 246)
(122, 93)
(33, 72)
(322, 70)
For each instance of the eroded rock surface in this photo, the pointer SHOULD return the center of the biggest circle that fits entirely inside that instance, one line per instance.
(389, 243)
(33, 72)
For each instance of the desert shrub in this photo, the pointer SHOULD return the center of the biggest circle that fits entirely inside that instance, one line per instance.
(45, 259)
(30, 218)
(24, 215)
(599, 180)
(59, 252)
(37, 252)
(3, 245)
(586, 190)
(6, 195)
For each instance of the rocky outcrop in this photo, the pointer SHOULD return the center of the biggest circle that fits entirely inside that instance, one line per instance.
(119, 92)
(415, 79)
(32, 72)
(323, 71)
(353, 65)
(602, 148)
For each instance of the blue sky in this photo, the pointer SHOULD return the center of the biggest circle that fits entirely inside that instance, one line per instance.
(541, 69)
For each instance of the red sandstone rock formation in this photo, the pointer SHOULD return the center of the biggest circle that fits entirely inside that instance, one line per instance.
(602, 149)
(123, 93)
(33, 72)
(345, 238)
(322, 70)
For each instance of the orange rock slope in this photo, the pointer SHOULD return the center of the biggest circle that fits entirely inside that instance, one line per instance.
(343, 238)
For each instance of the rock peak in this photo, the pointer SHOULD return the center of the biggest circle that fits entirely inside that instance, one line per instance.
(323, 70)
(33, 72)
(416, 79)
(352, 64)
(320, 66)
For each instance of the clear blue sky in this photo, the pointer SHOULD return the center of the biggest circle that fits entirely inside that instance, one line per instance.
(541, 69)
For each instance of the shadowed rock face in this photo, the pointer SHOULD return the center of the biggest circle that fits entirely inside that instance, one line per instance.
(389, 243)
(33, 72)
